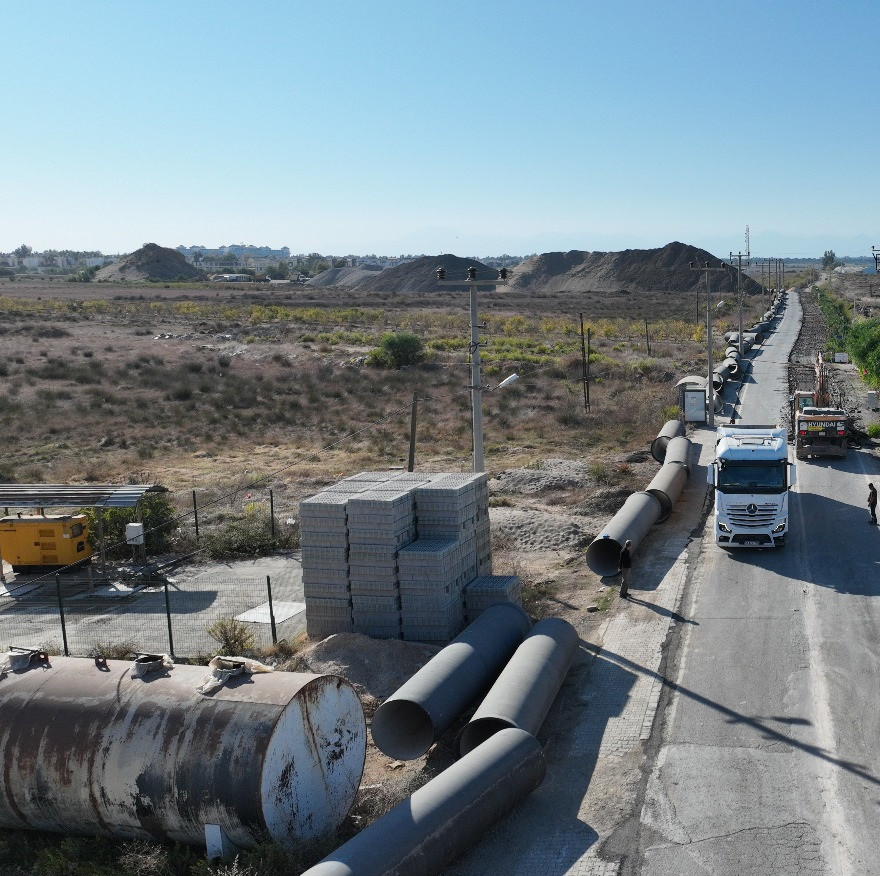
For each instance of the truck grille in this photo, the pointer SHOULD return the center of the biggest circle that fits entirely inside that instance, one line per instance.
(764, 515)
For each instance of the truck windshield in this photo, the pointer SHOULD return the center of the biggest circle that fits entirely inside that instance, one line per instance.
(751, 478)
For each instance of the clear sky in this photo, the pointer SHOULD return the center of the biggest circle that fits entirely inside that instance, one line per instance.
(477, 128)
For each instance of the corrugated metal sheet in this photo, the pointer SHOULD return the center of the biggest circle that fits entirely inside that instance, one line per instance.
(75, 495)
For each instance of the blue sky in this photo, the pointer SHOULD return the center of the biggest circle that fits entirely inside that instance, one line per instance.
(474, 128)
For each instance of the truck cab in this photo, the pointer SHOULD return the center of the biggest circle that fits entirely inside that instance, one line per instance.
(751, 475)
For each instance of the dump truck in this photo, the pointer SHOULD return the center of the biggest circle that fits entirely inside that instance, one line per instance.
(751, 475)
(33, 541)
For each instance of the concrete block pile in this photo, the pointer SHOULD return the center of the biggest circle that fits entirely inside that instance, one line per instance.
(391, 554)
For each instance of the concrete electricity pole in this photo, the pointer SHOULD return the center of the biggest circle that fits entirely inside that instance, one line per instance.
(710, 387)
(739, 297)
(476, 382)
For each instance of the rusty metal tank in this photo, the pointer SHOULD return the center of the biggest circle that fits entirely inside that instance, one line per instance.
(90, 749)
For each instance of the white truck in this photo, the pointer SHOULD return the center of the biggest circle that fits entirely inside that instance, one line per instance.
(751, 475)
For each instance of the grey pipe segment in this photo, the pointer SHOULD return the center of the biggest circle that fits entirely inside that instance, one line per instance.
(442, 819)
(679, 451)
(631, 523)
(527, 686)
(419, 711)
(666, 487)
(670, 430)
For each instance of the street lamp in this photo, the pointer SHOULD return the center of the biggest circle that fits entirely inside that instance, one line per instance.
(474, 348)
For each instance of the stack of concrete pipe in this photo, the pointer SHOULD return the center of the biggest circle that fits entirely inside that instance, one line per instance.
(643, 509)
(411, 720)
(501, 763)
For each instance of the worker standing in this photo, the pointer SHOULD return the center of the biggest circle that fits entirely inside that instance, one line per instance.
(872, 504)
(625, 564)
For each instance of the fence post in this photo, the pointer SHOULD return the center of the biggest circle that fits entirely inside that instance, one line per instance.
(168, 616)
(272, 514)
(61, 612)
(271, 611)
(196, 515)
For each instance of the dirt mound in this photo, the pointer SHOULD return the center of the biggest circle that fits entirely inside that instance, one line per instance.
(538, 530)
(345, 276)
(549, 474)
(376, 667)
(420, 275)
(634, 270)
(150, 262)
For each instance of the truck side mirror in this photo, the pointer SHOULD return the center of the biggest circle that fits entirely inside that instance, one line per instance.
(792, 475)
(710, 475)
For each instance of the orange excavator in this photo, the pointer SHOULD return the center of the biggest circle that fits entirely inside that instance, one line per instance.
(820, 429)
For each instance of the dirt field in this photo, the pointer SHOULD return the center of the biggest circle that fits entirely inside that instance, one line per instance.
(211, 390)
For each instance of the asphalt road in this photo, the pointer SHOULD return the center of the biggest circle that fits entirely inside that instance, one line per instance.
(768, 761)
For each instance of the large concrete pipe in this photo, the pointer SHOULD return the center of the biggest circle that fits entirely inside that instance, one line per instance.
(731, 363)
(679, 451)
(91, 749)
(527, 686)
(444, 818)
(732, 353)
(754, 338)
(671, 428)
(734, 339)
(666, 487)
(631, 523)
(417, 713)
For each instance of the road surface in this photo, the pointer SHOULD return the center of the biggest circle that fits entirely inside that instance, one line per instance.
(768, 758)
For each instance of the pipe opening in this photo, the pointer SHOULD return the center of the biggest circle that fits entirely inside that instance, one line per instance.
(402, 729)
(603, 556)
(477, 732)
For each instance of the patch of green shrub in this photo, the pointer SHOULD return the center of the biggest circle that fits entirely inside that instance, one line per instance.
(398, 350)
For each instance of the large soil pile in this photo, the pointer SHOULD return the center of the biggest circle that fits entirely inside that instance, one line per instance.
(345, 276)
(420, 275)
(150, 262)
(635, 270)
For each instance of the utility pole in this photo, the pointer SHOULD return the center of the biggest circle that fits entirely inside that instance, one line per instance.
(476, 386)
(585, 365)
(710, 388)
(739, 256)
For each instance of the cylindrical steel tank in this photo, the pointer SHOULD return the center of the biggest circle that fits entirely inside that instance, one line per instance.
(89, 749)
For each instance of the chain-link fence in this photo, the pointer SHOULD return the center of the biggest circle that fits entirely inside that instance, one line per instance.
(76, 615)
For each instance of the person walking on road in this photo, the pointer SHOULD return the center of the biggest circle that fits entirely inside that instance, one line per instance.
(625, 564)
(872, 504)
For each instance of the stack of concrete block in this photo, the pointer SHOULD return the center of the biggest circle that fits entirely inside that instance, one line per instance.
(380, 522)
(432, 572)
(458, 504)
(487, 590)
(323, 526)
(389, 554)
